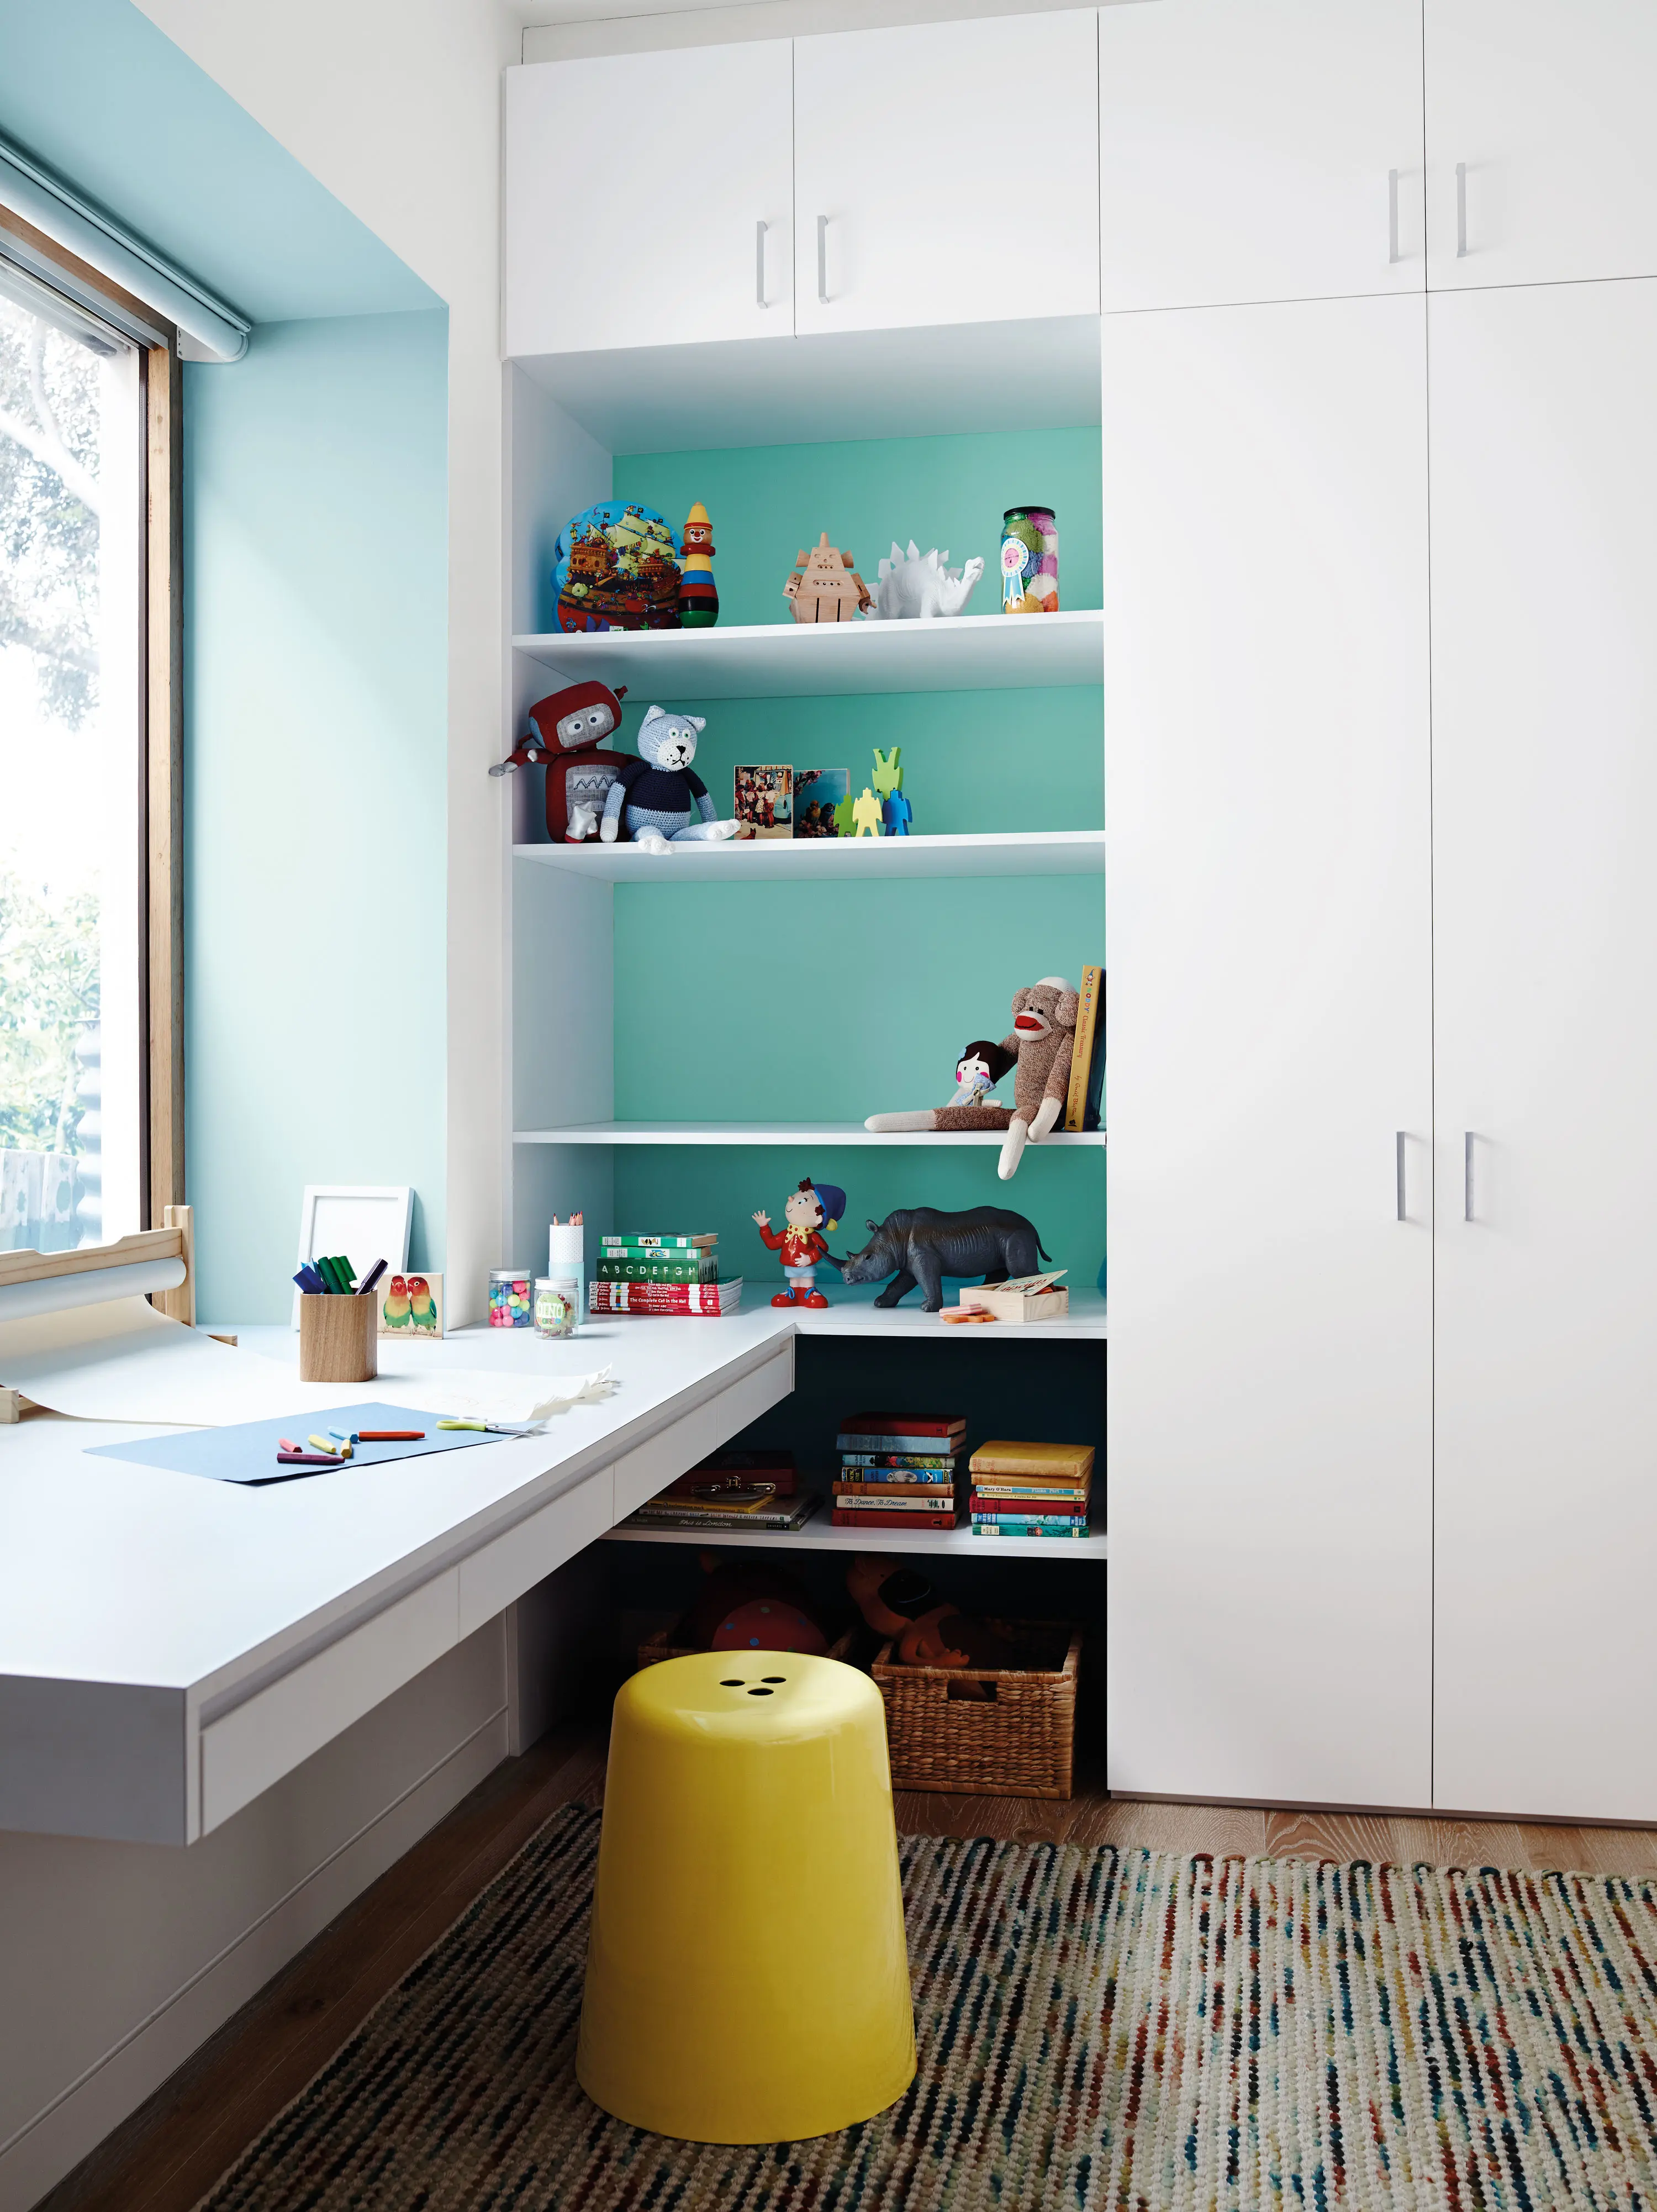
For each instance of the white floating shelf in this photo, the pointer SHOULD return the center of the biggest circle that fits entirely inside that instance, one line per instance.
(834, 859)
(820, 1535)
(777, 1132)
(854, 1313)
(792, 660)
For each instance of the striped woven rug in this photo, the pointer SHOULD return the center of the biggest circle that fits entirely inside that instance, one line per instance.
(1097, 2029)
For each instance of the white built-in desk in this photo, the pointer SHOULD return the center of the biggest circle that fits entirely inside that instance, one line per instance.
(170, 1647)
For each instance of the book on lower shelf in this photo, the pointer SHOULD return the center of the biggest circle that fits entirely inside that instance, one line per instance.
(693, 1299)
(1060, 1531)
(774, 1517)
(892, 1500)
(844, 1520)
(1030, 1489)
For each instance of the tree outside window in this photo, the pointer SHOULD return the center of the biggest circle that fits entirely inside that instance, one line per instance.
(71, 543)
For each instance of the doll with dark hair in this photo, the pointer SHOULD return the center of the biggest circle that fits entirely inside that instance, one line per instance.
(978, 1071)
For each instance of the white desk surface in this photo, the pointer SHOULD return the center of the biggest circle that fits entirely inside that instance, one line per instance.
(113, 1572)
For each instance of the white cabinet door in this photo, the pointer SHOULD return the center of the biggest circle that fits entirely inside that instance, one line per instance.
(1266, 759)
(1259, 149)
(649, 199)
(1544, 772)
(1544, 108)
(947, 174)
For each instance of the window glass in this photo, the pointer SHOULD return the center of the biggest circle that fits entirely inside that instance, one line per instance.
(71, 445)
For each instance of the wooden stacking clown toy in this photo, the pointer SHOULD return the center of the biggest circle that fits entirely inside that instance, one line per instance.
(698, 601)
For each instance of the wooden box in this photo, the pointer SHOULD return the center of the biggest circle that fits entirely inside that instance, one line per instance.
(1019, 1305)
(1018, 1740)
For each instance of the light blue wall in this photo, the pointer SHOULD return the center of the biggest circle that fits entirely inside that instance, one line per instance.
(316, 614)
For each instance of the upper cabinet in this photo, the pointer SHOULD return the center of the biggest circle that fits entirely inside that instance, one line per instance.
(650, 199)
(1270, 151)
(947, 174)
(1543, 163)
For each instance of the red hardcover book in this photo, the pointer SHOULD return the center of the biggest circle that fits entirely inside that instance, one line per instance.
(903, 1425)
(855, 1519)
(939, 1494)
(1029, 1507)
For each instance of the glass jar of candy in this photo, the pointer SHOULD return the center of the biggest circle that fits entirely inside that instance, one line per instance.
(510, 1305)
(557, 1305)
(1029, 561)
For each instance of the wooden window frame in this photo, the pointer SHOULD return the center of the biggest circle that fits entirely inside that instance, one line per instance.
(160, 787)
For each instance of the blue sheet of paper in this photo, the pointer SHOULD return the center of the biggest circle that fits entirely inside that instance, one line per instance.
(246, 1452)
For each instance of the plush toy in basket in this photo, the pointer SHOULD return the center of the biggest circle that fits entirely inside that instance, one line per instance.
(1038, 1048)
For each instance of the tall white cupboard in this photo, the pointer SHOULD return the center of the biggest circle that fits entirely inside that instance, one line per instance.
(1383, 919)
(1544, 756)
(1270, 1052)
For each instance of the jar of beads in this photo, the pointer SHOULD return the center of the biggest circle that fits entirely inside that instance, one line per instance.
(1029, 561)
(510, 1302)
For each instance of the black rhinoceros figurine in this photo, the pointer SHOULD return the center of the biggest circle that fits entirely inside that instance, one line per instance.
(920, 1245)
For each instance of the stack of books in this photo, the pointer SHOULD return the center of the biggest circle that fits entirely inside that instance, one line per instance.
(733, 1492)
(1031, 1489)
(662, 1275)
(898, 1470)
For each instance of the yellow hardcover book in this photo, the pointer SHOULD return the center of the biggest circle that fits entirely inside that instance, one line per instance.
(1061, 1463)
(1081, 1058)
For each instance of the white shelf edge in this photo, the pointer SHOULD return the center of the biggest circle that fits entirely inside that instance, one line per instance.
(819, 1534)
(786, 1133)
(783, 859)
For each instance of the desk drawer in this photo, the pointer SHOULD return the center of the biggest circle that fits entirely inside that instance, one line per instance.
(514, 1561)
(256, 1743)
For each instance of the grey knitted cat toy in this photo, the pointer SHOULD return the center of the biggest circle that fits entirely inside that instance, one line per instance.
(656, 799)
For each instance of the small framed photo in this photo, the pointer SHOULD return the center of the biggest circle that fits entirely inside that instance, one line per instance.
(410, 1306)
(818, 793)
(358, 1222)
(764, 801)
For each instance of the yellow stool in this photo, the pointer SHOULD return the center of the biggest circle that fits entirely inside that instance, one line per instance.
(747, 1980)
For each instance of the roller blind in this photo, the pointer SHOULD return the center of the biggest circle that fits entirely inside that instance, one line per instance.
(220, 332)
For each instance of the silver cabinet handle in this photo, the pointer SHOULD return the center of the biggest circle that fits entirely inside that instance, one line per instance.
(822, 260)
(1467, 1175)
(1461, 219)
(1392, 240)
(759, 300)
(1398, 1169)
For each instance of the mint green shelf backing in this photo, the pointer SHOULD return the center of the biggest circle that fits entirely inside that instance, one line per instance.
(767, 501)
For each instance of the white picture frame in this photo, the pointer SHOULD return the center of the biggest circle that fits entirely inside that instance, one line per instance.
(366, 1222)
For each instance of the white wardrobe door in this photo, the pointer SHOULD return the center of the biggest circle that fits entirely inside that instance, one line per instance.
(1259, 149)
(1267, 799)
(1544, 771)
(948, 172)
(635, 186)
(1546, 106)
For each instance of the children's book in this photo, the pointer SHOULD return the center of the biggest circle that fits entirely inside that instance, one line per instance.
(632, 1241)
(1061, 1533)
(817, 793)
(764, 801)
(842, 1519)
(936, 1464)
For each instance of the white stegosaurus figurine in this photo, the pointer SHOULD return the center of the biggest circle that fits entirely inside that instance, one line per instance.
(920, 585)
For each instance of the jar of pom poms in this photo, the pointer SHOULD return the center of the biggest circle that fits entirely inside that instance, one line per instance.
(511, 1300)
(1029, 561)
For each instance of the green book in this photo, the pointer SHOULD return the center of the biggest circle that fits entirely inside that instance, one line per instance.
(632, 1243)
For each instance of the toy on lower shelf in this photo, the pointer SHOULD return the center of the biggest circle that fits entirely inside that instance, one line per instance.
(1040, 1046)
(658, 797)
(921, 1245)
(812, 1212)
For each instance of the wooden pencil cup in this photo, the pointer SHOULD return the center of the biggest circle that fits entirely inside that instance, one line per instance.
(337, 1339)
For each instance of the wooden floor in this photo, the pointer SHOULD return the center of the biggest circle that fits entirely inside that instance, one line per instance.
(172, 2150)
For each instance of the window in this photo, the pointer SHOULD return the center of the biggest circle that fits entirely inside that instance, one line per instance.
(76, 573)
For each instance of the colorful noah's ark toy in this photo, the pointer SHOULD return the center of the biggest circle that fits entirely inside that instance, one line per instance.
(615, 566)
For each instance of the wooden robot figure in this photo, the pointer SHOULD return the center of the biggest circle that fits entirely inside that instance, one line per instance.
(824, 586)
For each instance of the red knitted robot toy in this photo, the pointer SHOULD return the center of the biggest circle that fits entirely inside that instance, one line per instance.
(565, 730)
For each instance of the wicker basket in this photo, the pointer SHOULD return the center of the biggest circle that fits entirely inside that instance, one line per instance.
(662, 1646)
(1017, 1742)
